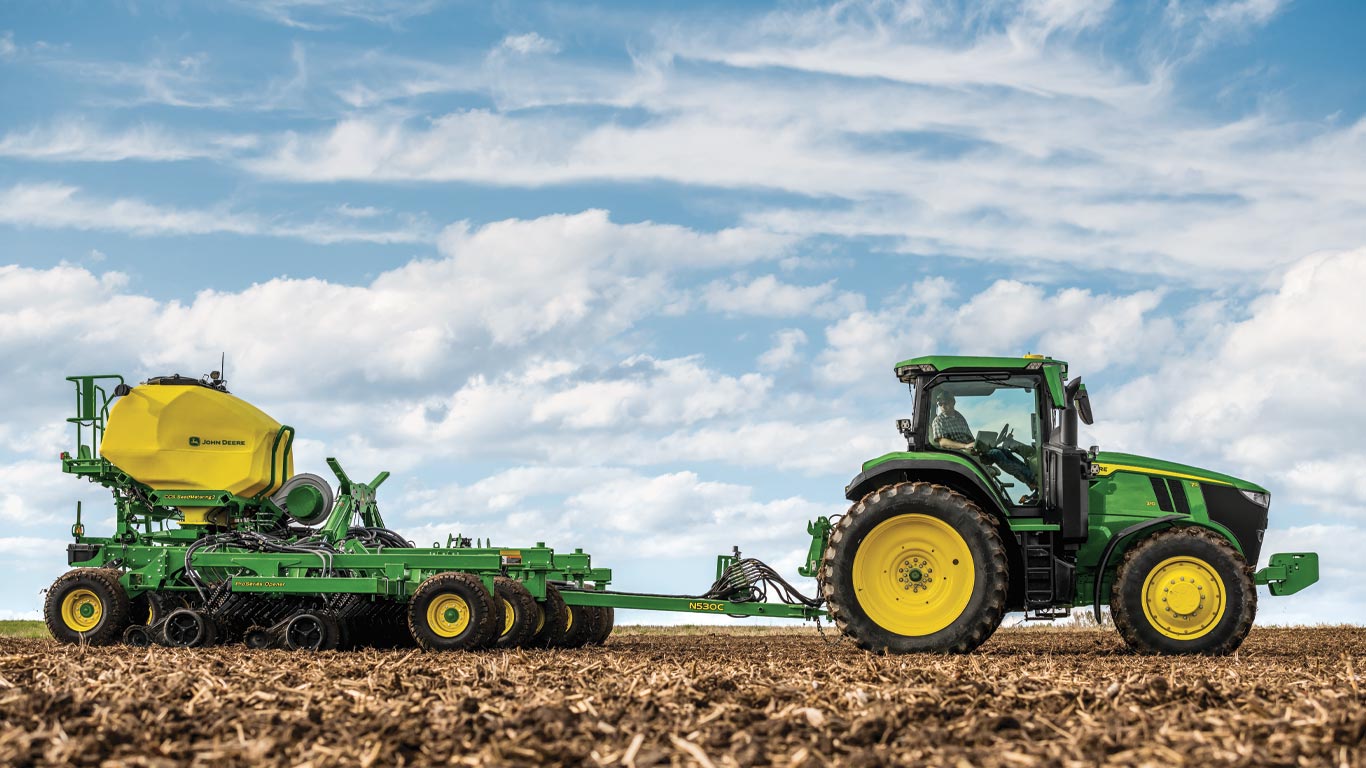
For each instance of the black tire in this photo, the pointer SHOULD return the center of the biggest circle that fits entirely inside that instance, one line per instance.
(258, 638)
(519, 613)
(312, 631)
(925, 517)
(138, 636)
(87, 605)
(552, 615)
(581, 624)
(189, 628)
(1210, 631)
(471, 630)
(607, 620)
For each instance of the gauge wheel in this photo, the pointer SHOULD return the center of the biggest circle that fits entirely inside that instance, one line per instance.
(87, 605)
(451, 612)
(916, 567)
(1183, 590)
(520, 613)
(312, 631)
(189, 628)
(552, 617)
(137, 635)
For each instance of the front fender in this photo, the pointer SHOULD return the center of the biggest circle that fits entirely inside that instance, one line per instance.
(950, 469)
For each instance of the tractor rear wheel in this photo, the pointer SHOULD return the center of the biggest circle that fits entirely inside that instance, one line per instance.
(451, 611)
(519, 613)
(1184, 590)
(87, 605)
(916, 567)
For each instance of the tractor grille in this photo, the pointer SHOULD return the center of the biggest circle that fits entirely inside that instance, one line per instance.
(1231, 509)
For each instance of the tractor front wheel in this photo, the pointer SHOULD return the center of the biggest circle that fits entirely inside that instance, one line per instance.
(87, 605)
(1184, 590)
(916, 567)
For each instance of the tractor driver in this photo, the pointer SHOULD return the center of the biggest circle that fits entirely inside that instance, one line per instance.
(950, 430)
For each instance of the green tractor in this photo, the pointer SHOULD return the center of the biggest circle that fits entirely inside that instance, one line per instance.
(946, 537)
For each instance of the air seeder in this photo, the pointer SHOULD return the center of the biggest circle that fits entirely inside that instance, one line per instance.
(218, 540)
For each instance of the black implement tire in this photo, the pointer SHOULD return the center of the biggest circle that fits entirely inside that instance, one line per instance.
(519, 613)
(551, 619)
(189, 628)
(581, 624)
(916, 567)
(312, 631)
(451, 612)
(608, 621)
(87, 605)
(138, 636)
(1199, 589)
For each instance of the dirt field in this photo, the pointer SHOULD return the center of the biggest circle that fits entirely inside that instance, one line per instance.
(1029, 697)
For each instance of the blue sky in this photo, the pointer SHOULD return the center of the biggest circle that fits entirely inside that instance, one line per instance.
(633, 278)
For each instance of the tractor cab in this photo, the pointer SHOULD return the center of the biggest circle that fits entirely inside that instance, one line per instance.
(1013, 420)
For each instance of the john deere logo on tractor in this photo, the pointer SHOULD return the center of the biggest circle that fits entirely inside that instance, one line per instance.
(195, 442)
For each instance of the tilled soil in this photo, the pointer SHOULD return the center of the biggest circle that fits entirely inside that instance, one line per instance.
(1028, 697)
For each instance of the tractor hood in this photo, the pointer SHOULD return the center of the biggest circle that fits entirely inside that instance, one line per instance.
(1108, 462)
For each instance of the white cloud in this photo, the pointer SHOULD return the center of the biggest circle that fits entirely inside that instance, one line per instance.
(78, 140)
(7, 47)
(529, 43)
(60, 206)
(767, 296)
(783, 353)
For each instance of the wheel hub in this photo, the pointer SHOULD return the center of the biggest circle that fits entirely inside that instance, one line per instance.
(1184, 597)
(913, 574)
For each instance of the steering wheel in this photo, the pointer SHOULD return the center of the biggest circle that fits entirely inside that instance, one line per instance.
(1002, 436)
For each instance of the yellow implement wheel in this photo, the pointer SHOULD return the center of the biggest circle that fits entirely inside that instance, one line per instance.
(508, 618)
(453, 611)
(913, 575)
(1183, 597)
(87, 606)
(448, 615)
(82, 610)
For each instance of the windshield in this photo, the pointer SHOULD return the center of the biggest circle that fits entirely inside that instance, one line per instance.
(994, 421)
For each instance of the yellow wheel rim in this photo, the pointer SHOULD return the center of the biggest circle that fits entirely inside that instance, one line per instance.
(82, 610)
(448, 615)
(507, 618)
(1184, 598)
(540, 618)
(568, 617)
(913, 575)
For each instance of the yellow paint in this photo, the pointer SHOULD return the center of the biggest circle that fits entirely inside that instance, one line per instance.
(150, 431)
(1109, 469)
(508, 617)
(1184, 598)
(540, 618)
(448, 615)
(913, 575)
(569, 617)
(82, 610)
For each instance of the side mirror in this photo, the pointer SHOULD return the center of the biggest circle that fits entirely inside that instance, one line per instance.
(1084, 407)
(1078, 399)
(907, 431)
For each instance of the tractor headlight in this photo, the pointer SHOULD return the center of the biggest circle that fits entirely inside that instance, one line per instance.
(1260, 498)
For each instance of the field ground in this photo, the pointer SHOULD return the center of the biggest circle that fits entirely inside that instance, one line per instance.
(706, 697)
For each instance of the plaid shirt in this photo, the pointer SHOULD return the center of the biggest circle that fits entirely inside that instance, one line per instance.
(950, 425)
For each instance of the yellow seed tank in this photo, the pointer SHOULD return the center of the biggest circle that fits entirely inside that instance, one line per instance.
(185, 436)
